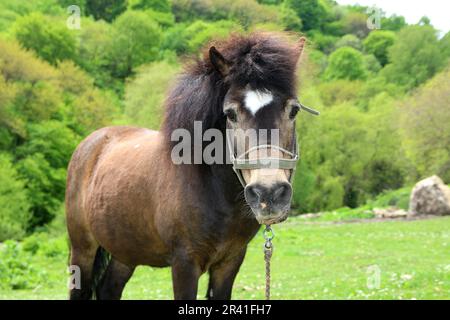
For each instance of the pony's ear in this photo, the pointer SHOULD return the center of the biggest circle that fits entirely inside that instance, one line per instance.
(299, 47)
(218, 61)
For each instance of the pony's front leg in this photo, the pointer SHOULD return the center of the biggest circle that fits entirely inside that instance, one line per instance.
(222, 276)
(185, 275)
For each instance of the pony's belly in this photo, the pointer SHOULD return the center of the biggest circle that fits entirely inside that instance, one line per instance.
(132, 247)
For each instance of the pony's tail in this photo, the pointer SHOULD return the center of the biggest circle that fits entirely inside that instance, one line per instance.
(101, 262)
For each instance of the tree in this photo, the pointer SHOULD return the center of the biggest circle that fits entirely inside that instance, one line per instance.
(200, 32)
(136, 41)
(157, 5)
(346, 63)
(51, 41)
(425, 118)
(144, 107)
(355, 23)
(444, 44)
(14, 204)
(290, 19)
(378, 43)
(311, 12)
(107, 10)
(393, 23)
(349, 40)
(414, 57)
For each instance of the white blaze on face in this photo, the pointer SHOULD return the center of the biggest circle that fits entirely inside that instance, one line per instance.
(256, 99)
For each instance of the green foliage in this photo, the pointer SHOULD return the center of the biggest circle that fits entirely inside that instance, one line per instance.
(393, 23)
(164, 19)
(341, 148)
(157, 5)
(378, 43)
(303, 186)
(311, 12)
(107, 10)
(392, 198)
(349, 40)
(414, 57)
(245, 12)
(43, 245)
(355, 23)
(16, 270)
(143, 106)
(136, 41)
(45, 186)
(289, 19)
(14, 204)
(199, 33)
(444, 44)
(336, 92)
(12, 10)
(51, 41)
(323, 42)
(425, 118)
(44, 112)
(346, 63)
(190, 38)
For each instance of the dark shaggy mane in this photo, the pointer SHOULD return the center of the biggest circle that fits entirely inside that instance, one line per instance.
(260, 60)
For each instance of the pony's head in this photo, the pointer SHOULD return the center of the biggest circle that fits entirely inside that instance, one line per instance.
(260, 105)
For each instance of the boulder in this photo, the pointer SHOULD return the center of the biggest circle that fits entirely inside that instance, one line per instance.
(430, 196)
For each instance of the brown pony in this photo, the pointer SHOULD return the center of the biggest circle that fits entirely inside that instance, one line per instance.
(129, 204)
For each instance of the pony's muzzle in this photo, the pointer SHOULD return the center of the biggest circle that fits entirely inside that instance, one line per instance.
(270, 204)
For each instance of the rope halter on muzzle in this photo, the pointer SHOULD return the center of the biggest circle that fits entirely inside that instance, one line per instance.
(241, 162)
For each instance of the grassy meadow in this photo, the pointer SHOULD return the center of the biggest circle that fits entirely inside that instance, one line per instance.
(312, 260)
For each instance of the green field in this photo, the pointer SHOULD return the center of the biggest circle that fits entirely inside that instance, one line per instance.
(312, 260)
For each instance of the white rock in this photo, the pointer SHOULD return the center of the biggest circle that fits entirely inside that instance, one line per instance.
(430, 196)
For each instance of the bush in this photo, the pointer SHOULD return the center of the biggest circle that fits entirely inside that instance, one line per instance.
(107, 10)
(349, 40)
(346, 63)
(414, 57)
(51, 41)
(339, 91)
(424, 122)
(14, 203)
(392, 198)
(42, 245)
(201, 32)
(45, 186)
(157, 5)
(378, 43)
(136, 41)
(16, 269)
(289, 19)
(145, 107)
(311, 12)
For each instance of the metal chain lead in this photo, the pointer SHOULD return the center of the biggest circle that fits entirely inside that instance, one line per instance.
(268, 248)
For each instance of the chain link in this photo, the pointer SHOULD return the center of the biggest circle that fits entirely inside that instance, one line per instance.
(268, 235)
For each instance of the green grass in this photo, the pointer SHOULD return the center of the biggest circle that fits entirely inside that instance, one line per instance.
(311, 261)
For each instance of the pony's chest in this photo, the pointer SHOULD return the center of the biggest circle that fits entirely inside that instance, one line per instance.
(232, 243)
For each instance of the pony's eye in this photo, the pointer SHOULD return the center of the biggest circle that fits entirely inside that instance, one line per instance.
(231, 115)
(295, 109)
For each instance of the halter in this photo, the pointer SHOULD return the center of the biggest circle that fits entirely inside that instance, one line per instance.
(240, 162)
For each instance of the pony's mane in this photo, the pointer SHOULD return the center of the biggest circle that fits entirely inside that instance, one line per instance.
(260, 60)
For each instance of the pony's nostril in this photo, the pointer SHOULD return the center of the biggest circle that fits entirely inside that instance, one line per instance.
(252, 194)
(282, 193)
